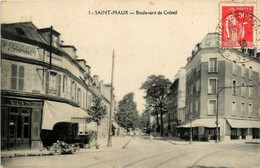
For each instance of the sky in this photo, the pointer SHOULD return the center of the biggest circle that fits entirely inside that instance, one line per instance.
(143, 44)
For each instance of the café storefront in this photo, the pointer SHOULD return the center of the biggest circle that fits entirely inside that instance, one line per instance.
(20, 123)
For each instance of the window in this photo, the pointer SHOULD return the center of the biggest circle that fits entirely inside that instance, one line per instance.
(47, 82)
(243, 89)
(243, 71)
(234, 68)
(212, 67)
(20, 32)
(79, 96)
(72, 90)
(250, 73)
(191, 108)
(17, 77)
(58, 84)
(197, 106)
(89, 100)
(65, 84)
(249, 110)
(197, 85)
(198, 70)
(191, 89)
(259, 111)
(212, 86)
(212, 107)
(234, 87)
(243, 109)
(53, 81)
(250, 92)
(75, 91)
(84, 100)
(234, 108)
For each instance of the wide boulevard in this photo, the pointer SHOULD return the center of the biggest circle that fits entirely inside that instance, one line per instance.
(141, 152)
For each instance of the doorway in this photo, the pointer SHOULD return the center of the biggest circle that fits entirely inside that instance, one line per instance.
(16, 122)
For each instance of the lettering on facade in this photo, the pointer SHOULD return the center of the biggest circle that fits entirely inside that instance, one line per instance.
(23, 103)
(10, 47)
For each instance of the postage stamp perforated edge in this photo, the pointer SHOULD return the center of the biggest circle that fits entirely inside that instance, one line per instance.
(256, 32)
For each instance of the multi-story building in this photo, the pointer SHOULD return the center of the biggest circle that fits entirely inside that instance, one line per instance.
(40, 85)
(176, 105)
(232, 74)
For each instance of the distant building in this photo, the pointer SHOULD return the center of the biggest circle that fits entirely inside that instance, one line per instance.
(37, 94)
(176, 105)
(208, 70)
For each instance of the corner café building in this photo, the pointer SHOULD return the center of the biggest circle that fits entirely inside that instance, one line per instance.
(27, 110)
(24, 120)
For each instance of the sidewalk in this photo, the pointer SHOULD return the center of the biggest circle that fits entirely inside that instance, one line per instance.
(117, 144)
(178, 141)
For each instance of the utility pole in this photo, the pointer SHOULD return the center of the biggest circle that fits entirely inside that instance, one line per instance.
(50, 48)
(109, 142)
(190, 128)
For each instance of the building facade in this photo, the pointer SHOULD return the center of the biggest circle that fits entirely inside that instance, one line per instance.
(176, 104)
(226, 82)
(41, 86)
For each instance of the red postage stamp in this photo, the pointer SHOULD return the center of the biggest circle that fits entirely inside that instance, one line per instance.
(237, 26)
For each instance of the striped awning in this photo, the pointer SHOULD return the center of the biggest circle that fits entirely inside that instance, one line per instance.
(256, 124)
(240, 123)
(203, 122)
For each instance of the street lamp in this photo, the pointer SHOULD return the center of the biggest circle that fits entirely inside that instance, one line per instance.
(218, 92)
(109, 141)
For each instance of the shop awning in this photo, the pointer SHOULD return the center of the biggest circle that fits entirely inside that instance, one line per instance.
(203, 122)
(239, 123)
(54, 112)
(256, 124)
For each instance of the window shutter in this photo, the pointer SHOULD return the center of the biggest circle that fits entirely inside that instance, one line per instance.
(21, 77)
(65, 83)
(71, 90)
(75, 92)
(58, 84)
(47, 82)
(14, 77)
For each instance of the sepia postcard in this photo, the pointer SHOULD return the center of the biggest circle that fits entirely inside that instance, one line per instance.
(133, 83)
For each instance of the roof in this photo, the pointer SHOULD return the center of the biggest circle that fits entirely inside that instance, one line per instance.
(69, 46)
(49, 29)
(22, 31)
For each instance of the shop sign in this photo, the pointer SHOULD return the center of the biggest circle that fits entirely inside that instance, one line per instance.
(19, 49)
(22, 103)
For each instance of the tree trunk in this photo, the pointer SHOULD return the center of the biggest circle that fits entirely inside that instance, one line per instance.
(161, 130)
(97, 144)
(158, 125)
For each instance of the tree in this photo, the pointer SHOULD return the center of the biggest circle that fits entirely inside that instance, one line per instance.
(156, 88)
(97, 112)
(127, 115)
(144, 120)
